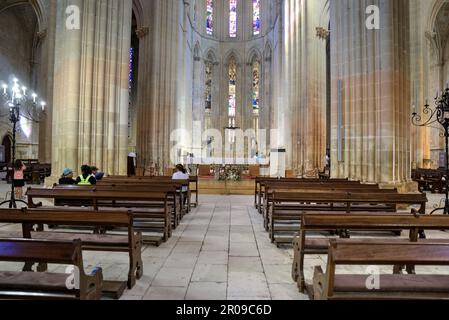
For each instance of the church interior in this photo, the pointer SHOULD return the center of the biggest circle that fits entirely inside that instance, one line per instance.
(224, 149)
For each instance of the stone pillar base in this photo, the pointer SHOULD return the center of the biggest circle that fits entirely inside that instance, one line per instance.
(50, 181)
(403, 187)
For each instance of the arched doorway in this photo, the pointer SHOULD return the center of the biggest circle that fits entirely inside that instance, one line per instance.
(7, 145)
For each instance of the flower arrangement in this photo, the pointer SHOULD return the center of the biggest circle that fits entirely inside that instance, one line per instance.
(230, 173)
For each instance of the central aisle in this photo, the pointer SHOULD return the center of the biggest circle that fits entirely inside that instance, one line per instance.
(220, 251)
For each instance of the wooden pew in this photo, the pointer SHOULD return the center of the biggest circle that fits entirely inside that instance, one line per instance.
(430, 180)
(290, 206)
(43, 285)
(333, 286)
(260, 181)
(261, 185)
(324, 221)
(267, 193)
(122, 180)
(175, 198)
(319, 188)
(131, 242)
(155, 219)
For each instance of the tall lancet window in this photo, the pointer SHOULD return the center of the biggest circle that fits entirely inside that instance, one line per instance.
(232, 91)
(209, 66)
(256, 17)
(233, 18)
(210, 17)
(256, 87)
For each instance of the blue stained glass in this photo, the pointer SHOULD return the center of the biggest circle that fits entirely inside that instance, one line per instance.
(233, 18)
(256, 17)
(210, 17)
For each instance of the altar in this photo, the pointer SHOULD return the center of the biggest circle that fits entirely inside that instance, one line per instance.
(228, 161)
(229, 169)
(236, 169)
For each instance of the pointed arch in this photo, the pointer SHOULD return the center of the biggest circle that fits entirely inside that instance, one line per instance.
(211, 55)
(138, 12)
(325, 15)
(232, 54)
(38, 8)
(268, 51)
(254, 54)
(434, 11)
(197, 51)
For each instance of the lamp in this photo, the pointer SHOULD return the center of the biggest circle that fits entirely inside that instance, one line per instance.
(15, 97)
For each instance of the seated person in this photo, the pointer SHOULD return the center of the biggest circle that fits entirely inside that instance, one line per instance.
(97, 174)
(67, 177)
(86, 178)
(181, 174)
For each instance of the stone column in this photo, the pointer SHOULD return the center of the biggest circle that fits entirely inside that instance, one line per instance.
(90, 103)
(46, 38)
(157, 87)
(304, 85)
(198, 110)
(372, 68)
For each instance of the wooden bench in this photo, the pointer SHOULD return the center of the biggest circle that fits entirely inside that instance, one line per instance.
(301, 183)
(131, 242)
(175, 198)
(44, 285)
(324, 221)
(430, 180)
(330, 285)
(154, 219)
(288, 208)
(261, 181)
(144, 181)
(267, 194)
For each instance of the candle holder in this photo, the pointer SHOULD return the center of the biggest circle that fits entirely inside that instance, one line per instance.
(16, 98)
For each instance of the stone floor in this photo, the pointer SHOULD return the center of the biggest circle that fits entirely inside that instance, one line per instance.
(220, 251)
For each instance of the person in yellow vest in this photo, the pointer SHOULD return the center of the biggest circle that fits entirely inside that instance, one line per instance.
(86, 178)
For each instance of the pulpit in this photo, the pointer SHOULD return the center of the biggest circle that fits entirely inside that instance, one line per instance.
(204, 170)
(254, 171)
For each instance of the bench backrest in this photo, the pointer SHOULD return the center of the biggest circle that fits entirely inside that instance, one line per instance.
(396, 221)
(119, 187)
(387, 253)
(180, 183)
(67, 217)
(345, 197)
(96, 194)
(21, 250)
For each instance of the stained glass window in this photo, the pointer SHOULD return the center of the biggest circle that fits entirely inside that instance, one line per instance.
(210, 17)
(256, 17)
(131, 66)
(256, 87)
(233, 18)
(232, 87)
(209, 67)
